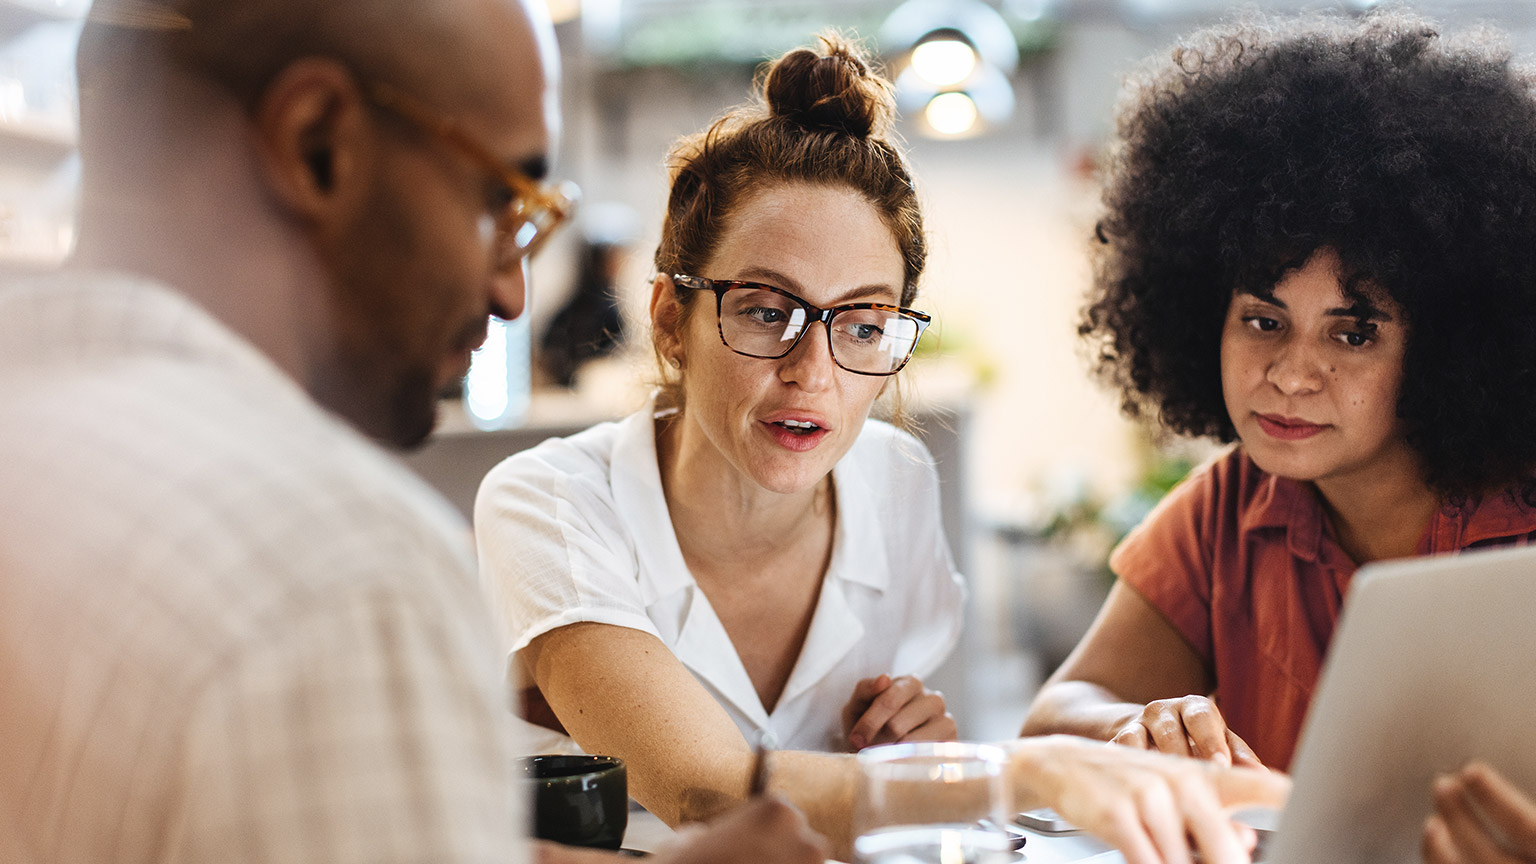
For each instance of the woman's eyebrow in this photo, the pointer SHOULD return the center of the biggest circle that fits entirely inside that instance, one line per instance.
(1262, 296)
(769, 274)
(1359, 312)
(866, 291)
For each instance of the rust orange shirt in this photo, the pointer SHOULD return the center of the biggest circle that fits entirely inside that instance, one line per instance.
(1245, 566)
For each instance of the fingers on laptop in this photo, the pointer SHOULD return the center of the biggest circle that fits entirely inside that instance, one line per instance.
(1154, 808)
(1244, 788)
(1187, 726)
(1187, 801)
(1154, 831)
(1183, 812)
(1457, 834)
(1242, 754)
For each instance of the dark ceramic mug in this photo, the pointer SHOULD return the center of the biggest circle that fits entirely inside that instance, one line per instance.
(579, 800)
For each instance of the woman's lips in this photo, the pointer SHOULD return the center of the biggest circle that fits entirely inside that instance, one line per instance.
(1287, 428)
(796, 441)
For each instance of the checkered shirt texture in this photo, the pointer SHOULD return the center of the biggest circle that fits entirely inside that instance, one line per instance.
(231, 629)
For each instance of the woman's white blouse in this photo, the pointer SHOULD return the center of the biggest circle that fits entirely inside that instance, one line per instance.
(577, 529)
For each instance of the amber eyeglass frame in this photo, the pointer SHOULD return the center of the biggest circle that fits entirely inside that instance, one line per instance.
(720, 287)
(544, 207)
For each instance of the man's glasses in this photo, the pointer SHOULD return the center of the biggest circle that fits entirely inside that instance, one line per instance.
(763, 321)
(532, 211)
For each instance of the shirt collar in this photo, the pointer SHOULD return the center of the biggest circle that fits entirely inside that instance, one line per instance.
(858, 558)
(1480, 520)
(1291, 506)
(858, 552)
(639, 498)
(1294, 507)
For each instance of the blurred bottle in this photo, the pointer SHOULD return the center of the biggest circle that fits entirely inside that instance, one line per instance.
(590, 323)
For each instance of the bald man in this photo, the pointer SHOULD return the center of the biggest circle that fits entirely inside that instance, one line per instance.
(231, 627)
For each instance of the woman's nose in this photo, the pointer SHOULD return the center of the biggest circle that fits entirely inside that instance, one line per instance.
(1296, 370)
(810, 363)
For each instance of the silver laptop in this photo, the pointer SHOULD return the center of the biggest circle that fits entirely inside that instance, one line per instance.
(1433, 664)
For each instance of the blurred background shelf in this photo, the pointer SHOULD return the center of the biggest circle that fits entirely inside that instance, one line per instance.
(25, 261)
(17, 16)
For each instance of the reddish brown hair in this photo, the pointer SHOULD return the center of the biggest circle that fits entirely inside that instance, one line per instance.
(822, 116)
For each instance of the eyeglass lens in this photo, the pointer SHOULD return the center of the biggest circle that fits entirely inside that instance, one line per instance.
(766, 324)
(536, 213)
(527, 231)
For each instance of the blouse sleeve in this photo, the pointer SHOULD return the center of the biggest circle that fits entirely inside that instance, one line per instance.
(552, 548)
(1168, 557)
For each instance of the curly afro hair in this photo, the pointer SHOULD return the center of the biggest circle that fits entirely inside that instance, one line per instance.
(1413, 157)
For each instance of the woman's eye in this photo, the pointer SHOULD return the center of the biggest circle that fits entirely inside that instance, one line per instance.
(1356, 338)
(1259, 322)
(765, 315)
(864, 332)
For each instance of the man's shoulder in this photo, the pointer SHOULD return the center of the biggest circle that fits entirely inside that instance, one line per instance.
(168, 470)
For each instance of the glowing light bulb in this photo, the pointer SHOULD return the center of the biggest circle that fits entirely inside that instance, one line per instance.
(944, 62)
(951, 113)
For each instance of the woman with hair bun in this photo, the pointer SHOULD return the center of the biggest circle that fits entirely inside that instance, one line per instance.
(751, 558)
(1318, 246)
(751, 519)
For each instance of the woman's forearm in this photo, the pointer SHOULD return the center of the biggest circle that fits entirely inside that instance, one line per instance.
(1079, 708)
(823, 787)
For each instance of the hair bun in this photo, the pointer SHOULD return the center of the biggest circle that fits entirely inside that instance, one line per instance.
(834, 89)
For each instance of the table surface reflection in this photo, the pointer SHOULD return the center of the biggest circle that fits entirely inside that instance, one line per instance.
(648, 833)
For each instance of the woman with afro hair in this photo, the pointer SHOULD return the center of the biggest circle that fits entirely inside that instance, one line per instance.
(1319, 244)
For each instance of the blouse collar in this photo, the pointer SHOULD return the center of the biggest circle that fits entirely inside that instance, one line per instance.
(858, 559)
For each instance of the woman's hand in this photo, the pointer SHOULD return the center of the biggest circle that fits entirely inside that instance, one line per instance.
(1125, 682)
(885, 710)
(1187, 726)
(1505, 833)
(1153, 808)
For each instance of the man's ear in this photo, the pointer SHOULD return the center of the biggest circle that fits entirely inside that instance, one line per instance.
(666, 319)
(312, 137)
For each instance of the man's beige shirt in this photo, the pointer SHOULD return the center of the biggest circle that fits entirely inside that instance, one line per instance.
(231, 630)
